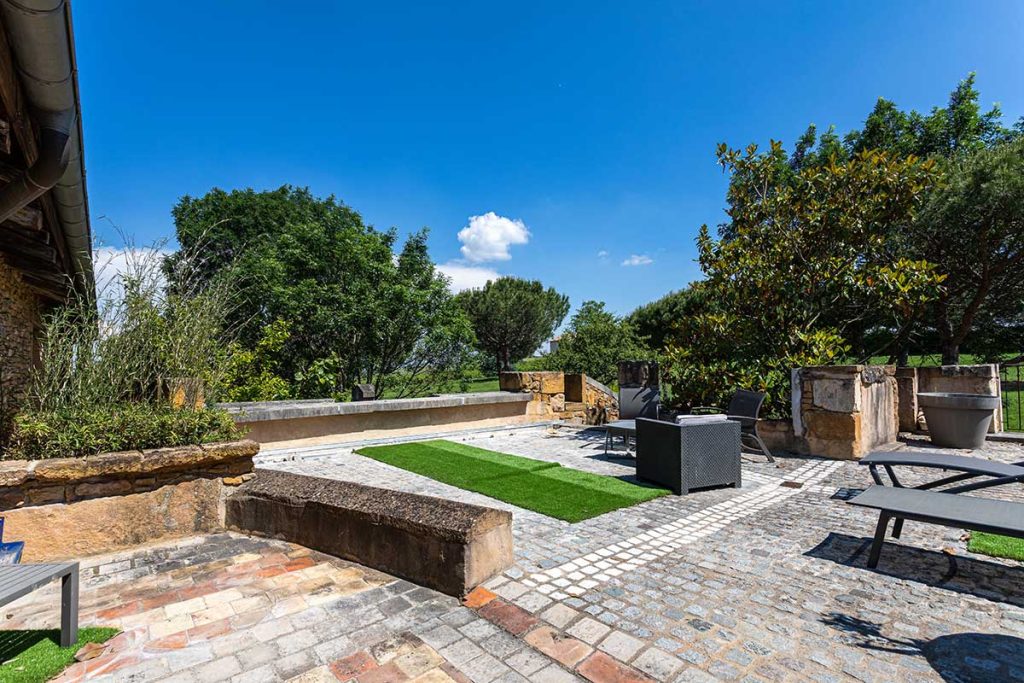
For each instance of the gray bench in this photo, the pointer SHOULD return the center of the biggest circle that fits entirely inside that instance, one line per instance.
(18, 580)
(934, 507)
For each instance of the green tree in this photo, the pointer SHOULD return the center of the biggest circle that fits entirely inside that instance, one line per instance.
(595, 341)
(948, 135)
(808, 258)
(352, 307)
(656, 321)
(512, 317)
(972, 227)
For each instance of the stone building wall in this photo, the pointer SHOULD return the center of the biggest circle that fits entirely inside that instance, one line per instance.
(19, 319)
(72, 507)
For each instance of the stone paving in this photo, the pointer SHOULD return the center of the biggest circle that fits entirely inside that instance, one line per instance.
(767, 582)
(763, 583)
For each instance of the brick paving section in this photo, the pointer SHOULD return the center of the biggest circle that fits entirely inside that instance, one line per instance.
(765, 583)
(229, 607)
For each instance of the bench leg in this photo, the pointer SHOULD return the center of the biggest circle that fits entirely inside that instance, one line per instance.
(897, 528)
(69, 609)
(876, 545)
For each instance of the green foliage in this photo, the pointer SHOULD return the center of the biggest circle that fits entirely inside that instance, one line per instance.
(512, 317)
(595, 341)
(130, 344)
(35, 656)
(972, 227)
(355, 312)
(951, 136)
(807, 258)
(81, 431)
(253, 374)
(657, 320)
(105, 371)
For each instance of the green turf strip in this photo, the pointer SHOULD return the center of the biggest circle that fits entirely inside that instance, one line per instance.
(996, 546)
(544, 487)
(36, 656)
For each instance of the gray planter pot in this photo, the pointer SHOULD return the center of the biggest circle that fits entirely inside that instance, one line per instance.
(958, 420)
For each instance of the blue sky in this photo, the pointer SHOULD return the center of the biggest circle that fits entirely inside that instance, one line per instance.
(587, 128)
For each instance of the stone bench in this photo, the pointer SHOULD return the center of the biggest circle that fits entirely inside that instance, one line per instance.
(442, 544)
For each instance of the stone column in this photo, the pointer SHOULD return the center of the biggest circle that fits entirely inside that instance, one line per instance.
(906, 383)
(845, 411)
(638, 373)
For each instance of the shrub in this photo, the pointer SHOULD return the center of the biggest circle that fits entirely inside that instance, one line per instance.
(128, 426)
(106, 367)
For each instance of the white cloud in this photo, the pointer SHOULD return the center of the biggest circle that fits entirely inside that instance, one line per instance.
(488, 237)
(638, 260)
(467, 277)
(111, 264)
(602, 254)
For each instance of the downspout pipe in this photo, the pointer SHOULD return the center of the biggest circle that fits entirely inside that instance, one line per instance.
(51, 162)
(39, 32)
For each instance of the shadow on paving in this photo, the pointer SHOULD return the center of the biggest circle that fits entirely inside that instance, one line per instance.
(959, 657)
(938, 569)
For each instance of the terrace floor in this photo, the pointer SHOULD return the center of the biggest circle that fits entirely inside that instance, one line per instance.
(764, 583)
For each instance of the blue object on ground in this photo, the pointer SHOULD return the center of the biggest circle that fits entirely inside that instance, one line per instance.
(10, 553)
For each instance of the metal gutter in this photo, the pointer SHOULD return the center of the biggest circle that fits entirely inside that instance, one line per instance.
(43, 45)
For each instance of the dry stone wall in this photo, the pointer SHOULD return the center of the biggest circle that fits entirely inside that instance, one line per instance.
(560, 396)
(19, 319)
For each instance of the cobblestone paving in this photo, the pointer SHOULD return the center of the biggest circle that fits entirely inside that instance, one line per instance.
(763, 583)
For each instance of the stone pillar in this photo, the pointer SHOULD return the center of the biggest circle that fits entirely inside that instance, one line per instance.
(547, 387)
(906, 384)
(845, 411)
(964, 379)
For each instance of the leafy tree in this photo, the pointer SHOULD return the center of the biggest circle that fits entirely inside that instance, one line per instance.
(353, 309)
(808, 258)
(253, 374)
(512, 317)
(657, 320)
(596, 341)
(972, 227)
(947, 135)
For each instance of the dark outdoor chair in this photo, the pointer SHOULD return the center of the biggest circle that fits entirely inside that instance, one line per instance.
(637, 402)
(745, 408)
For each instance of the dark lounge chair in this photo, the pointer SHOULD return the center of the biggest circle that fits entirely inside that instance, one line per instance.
(988, 472)
(745, 408)
(937, 507)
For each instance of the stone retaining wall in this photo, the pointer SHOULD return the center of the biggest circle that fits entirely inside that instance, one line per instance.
(443, 544)
(73, 507)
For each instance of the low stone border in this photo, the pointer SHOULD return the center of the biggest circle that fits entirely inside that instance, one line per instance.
(65, 480)
(70, 508)
(443, 544)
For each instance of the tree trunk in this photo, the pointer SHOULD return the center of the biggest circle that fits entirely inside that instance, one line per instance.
(950, 353)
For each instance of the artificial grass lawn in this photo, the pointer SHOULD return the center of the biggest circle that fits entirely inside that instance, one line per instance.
(36, 656)
(544, 487)
(996, 545)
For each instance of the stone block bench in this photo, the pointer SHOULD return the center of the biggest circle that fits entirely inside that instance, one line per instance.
(442, 544)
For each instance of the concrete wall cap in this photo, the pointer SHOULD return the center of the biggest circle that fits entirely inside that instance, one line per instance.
(284, 410)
